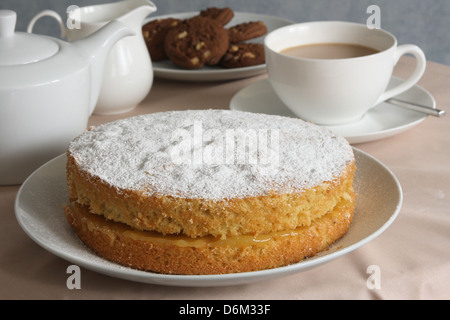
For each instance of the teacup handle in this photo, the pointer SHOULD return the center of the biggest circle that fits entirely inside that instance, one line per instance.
(413, 78)
(48, 13)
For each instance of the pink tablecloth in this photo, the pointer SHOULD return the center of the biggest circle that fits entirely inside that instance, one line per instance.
(412, 256)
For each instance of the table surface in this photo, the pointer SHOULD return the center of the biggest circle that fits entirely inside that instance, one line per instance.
(412, 255)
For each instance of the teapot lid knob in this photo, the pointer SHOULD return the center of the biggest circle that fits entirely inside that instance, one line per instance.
(8, 20)
(19, 48)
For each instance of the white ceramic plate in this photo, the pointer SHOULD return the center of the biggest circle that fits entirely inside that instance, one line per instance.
(166, 69)
(383, 121)
(41, 197)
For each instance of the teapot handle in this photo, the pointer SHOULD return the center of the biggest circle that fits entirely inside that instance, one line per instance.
(49, 13)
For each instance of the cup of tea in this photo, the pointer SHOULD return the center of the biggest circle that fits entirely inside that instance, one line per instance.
(333, 72)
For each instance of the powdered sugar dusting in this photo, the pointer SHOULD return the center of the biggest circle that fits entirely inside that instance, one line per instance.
(211, 154)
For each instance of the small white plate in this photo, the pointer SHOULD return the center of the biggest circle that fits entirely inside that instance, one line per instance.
(39, 211)
(383, 121)
(166, 69)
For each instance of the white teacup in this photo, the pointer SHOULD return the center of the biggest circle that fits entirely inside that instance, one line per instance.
(339, 90)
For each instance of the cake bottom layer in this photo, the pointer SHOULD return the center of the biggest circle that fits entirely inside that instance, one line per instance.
(178, 254)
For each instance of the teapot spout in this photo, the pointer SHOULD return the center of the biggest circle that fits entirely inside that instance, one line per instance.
(97, 47)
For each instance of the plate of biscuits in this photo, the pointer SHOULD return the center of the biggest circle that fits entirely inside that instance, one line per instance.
(214, 44)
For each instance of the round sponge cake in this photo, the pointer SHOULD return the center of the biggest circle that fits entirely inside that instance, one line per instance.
(209, 191)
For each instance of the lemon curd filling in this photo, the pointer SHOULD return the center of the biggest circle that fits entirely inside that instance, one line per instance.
(116, 229)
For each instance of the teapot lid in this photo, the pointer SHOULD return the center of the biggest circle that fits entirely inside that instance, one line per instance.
(18, 48)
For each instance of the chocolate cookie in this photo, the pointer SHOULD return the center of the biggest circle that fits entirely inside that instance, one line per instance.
(195, 42)
(246, 31)
(154, 33)
(221, 15)
(241, 55)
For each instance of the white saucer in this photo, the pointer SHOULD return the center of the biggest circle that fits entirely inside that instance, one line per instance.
(39, 211)
(383, 121)
(166, 69)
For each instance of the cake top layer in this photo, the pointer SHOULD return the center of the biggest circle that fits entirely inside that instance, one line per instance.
(211, 154)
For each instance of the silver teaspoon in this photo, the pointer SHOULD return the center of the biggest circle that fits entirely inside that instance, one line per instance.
(416, 107)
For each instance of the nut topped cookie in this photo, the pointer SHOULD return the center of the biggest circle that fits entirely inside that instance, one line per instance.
(246, 31)
(154, 33)
(196, 42)
(220, 15)
(244, 54)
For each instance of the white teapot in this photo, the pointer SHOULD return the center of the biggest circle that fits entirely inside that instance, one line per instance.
(48, 90)
(128, 72)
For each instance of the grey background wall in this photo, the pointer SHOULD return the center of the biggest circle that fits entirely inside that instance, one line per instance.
(425, 23)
